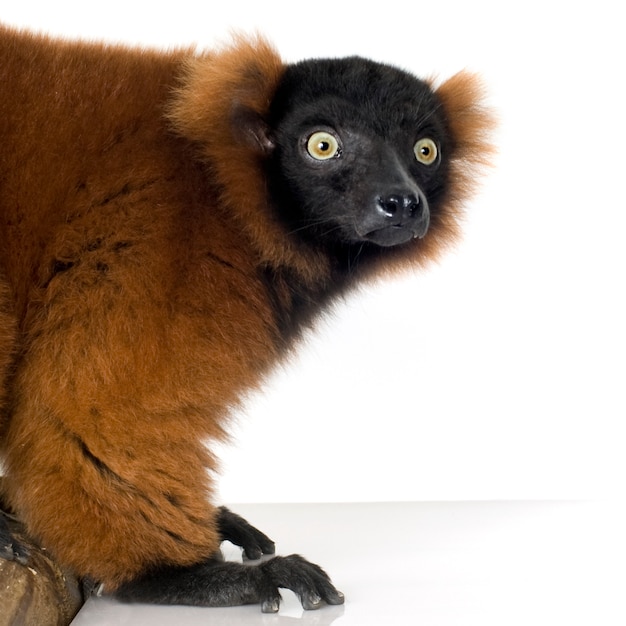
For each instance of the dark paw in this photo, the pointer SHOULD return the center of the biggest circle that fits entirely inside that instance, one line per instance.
(10, 548)
(307, 580)
(224, 583)
(238, 531)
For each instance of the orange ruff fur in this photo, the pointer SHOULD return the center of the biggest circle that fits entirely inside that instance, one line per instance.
(123, 166)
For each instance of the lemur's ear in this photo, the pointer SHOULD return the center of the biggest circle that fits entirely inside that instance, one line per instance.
(235, 84)
(470, 123)
(250, 128)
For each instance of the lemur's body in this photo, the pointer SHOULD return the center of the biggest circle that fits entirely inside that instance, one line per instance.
(167, 224)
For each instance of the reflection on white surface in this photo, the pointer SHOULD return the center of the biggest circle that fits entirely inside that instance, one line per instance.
(106, 612)
(432, 564)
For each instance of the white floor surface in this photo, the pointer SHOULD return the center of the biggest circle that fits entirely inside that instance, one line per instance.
(431, 564)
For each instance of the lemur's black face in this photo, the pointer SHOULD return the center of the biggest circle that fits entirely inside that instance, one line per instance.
(359, 152)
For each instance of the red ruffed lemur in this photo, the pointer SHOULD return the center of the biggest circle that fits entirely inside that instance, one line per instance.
(169, 222)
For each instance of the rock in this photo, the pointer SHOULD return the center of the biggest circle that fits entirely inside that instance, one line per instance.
(38, 592)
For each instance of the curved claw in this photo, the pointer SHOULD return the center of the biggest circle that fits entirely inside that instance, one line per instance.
(311, 602)
(308, 581)
(270, 606)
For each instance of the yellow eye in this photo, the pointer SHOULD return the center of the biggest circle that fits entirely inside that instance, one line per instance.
(322, 145)
(425, 151)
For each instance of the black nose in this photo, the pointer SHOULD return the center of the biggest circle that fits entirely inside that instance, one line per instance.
(401, 208)
(396, 217)
(405, 210)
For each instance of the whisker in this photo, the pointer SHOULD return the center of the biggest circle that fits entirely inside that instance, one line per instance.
(316, 223)
(433, 110)
(353, 261)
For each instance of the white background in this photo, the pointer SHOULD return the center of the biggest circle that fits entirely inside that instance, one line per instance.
(499, 373)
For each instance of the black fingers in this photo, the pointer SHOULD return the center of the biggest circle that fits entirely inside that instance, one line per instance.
(10, 548)
(308, 581)
(238, 531)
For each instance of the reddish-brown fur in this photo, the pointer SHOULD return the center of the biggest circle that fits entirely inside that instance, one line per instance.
(133, 222)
